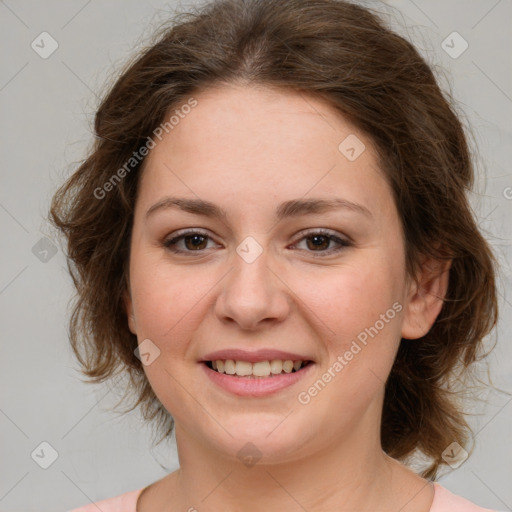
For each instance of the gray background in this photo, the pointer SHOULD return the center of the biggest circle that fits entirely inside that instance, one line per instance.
(47, 110)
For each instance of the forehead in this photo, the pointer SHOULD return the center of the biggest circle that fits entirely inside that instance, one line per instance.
(257, 141)
(240, 121)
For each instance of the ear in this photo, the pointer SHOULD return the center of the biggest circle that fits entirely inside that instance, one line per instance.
(425, 297)
(129, 311)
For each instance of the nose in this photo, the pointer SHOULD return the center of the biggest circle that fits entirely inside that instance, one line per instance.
(253, 294)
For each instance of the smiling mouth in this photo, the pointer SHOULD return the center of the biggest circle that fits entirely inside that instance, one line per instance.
(257, 370)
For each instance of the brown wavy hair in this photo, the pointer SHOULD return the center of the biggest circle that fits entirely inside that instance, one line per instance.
(343, 53)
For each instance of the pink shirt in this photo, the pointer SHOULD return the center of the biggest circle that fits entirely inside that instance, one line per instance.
(444, 501)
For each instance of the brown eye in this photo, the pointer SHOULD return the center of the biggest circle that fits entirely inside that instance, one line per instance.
(319, 242)
(194, 242)
(191, 241)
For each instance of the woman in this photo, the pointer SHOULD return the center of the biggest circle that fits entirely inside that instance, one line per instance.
(272, 238)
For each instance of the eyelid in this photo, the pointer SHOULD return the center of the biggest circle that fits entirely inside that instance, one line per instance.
(327, 232)
(190, 231)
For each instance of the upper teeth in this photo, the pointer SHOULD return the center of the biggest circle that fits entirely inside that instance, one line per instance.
(259, 369)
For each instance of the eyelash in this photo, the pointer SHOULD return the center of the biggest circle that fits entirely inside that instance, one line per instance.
(323, 232)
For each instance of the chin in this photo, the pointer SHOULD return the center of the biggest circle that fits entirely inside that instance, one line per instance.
(264, 436)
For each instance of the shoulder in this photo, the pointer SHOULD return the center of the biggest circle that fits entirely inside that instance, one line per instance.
(445, 501)
(123, 503)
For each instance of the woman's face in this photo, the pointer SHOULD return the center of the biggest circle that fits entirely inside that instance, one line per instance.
(264, 282)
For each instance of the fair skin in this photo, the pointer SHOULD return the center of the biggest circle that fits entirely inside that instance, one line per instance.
(247, 150)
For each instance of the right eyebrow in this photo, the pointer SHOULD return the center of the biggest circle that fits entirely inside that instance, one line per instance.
(196, 206)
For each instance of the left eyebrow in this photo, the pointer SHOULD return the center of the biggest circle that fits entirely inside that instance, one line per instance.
(292, 208)
(297, 207)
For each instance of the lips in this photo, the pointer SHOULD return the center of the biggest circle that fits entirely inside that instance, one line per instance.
(254, 356)
(255, 373)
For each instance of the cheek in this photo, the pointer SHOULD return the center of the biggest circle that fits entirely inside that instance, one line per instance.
(167, 298)
(353, 298)
(360, 307)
